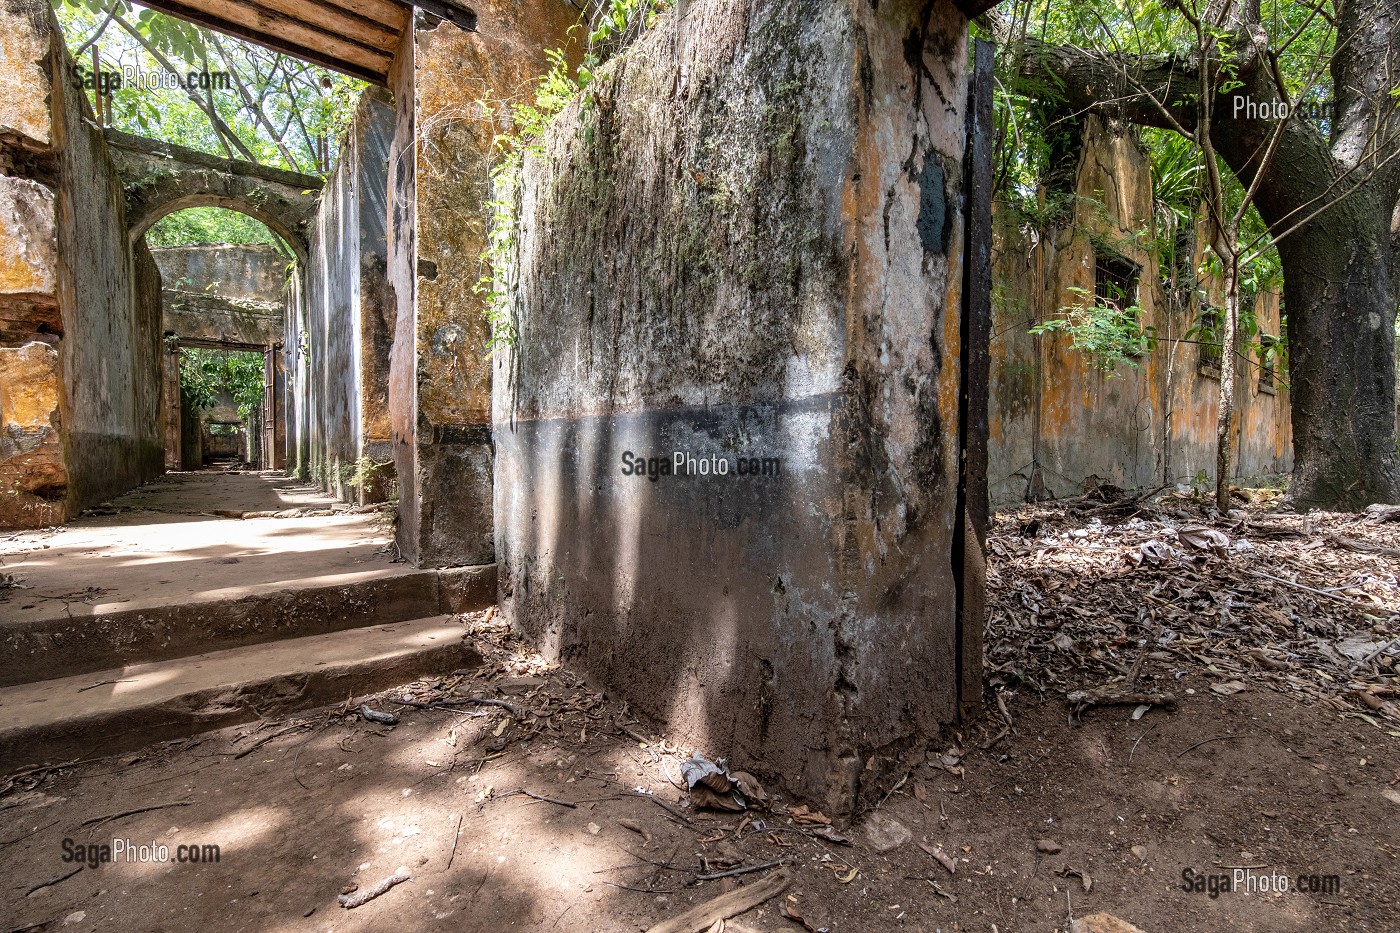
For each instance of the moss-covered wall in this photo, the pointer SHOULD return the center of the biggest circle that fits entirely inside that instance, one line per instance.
(745, 244)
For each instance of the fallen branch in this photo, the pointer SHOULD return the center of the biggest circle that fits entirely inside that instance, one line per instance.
(736, 902)
(715, 875)
(1383, 513)
(1104, 696)
(360, 898)
(1363, 547)
(96, 820)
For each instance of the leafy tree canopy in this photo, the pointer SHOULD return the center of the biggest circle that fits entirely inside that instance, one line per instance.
(243, 101)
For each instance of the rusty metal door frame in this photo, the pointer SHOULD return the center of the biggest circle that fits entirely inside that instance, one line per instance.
(970, 532)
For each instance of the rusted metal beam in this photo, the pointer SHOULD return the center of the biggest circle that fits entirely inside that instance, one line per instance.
(454, 11)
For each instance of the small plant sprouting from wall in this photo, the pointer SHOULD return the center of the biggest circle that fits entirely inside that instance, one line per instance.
(612, 27)
(1106, 329)
(368, 473)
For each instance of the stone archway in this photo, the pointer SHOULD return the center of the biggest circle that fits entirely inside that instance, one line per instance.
(160, 178)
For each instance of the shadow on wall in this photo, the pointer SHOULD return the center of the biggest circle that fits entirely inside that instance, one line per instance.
(754, 309)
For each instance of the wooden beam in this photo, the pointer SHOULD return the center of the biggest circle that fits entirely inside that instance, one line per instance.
(278, 33)
(390, 12)
(335, 21)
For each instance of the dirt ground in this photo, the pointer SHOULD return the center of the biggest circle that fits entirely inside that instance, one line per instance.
(1044, 816)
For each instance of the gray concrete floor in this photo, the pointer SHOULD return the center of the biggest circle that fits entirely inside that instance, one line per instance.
(166, 546)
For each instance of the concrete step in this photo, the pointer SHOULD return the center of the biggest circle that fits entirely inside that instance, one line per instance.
(105, 636)
(125, 708)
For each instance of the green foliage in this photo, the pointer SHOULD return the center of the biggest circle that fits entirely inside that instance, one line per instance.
(207, 374)
(613, 26)
(271, 108)
(1108, 331)
(367, 471)
(196, 225)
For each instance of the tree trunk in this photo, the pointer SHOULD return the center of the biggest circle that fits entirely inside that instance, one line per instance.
(1340, 302)
(1226, 413)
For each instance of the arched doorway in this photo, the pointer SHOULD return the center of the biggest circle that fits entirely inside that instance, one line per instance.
(224, 276)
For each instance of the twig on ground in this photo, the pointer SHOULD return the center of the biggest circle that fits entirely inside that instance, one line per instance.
(53, 881)
(1214, 738)
(359, 898)
(534, 796)
(714, 875)
(96, 820)
(1135, 745)
(268, 738)
(736, 902)
(36, 830)
(455, 836)
(465, 701)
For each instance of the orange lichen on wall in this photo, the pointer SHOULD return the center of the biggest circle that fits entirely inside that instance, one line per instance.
(1056, 419)
(24, 82)
(28, 257)
(32, 470)
(465, 82)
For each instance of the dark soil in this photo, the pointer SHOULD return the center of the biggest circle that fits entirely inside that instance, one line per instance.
(305, 809)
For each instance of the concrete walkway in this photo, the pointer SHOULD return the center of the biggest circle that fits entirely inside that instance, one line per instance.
(163, 614)
(165, 545)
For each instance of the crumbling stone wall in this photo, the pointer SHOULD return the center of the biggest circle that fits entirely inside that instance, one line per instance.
(441, 380)
(746, 245)
(79, 327)
(1055, 420)
(340, 321)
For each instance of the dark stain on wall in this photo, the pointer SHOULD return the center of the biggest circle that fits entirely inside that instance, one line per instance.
(933, 205)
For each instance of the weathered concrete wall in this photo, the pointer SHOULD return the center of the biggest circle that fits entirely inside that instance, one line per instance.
(242, 272)
(111, 313)
(442, 381)
(340, 325)
(1056, 420)
(80, 420)
(223, 293)
(33, 472)
(161, 178)
(749, 245)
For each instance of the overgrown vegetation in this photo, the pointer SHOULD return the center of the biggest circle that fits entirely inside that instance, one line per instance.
(206, 375)
(1107, 330)
(244, 101)
(610, 28)
(200, 225)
